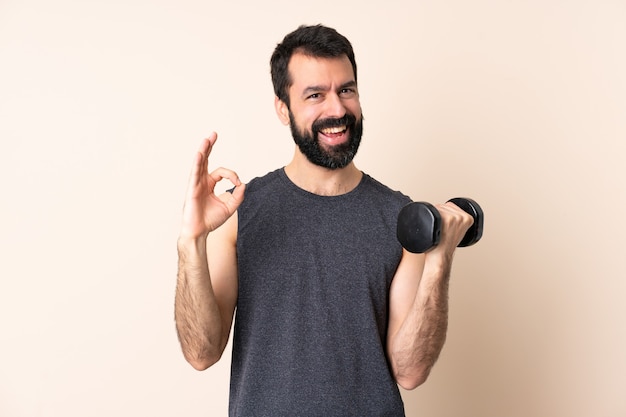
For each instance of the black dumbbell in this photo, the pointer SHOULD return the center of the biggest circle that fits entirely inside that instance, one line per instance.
(419, 225)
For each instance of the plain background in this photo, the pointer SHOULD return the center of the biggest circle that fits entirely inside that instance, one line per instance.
(518, 104)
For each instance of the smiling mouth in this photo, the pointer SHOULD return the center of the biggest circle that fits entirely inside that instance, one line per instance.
(333, 136)
(331, 131)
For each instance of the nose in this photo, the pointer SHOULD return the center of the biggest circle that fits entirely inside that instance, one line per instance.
(334, 107)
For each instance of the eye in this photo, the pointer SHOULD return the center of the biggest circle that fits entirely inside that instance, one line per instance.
(314, 96)
(347, 92)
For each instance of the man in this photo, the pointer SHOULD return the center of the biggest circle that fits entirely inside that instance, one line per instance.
(332, 313)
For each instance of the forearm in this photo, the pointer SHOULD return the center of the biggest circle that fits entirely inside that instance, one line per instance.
(415, 347)
(197, 315)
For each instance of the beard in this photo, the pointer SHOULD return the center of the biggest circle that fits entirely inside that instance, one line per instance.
(332, 157)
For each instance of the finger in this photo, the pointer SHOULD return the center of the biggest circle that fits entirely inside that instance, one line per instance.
(454, 217)
(233, 199)
(449, 205)
(196, 169)
(224, 173)
(207, 145)
(453, 209)
(238, 194)
(201, 163)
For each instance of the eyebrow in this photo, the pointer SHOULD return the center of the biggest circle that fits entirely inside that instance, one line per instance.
(317, 88)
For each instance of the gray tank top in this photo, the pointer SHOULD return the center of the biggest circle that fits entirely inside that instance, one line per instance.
(312, 309)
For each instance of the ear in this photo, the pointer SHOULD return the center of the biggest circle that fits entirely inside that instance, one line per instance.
(282, 110)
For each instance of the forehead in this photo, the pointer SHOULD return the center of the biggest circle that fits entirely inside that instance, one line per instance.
(306, 71)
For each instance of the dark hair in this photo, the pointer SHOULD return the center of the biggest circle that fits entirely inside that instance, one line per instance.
(316, 41)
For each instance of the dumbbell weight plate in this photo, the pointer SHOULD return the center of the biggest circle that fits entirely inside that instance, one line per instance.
(419, 227)
(475, 232)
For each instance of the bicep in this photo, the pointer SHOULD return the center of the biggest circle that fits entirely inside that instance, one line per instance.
(403, 290)
(222, 260)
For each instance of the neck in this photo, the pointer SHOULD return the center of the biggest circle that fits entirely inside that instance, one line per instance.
(322, 181)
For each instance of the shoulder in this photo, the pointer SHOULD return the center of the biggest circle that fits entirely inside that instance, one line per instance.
(377, 189)
(264, 181)
(260, 188)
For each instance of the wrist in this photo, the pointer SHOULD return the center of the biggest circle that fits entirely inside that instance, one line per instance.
(438, 264)
(191, 242)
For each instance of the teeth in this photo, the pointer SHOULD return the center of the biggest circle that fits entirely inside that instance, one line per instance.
(330, 130)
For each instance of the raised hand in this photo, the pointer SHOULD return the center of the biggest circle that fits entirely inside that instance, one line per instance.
(204, 211)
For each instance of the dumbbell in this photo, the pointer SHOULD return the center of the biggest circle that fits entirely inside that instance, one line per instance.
(419, 225)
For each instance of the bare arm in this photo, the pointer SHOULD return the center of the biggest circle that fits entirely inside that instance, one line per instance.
(418, 319)
(206, 292)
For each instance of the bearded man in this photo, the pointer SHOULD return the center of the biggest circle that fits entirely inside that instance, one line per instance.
(332, 313)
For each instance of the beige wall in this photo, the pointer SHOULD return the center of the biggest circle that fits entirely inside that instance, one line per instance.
(519, 104)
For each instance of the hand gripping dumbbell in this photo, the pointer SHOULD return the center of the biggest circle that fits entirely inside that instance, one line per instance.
(419, 225)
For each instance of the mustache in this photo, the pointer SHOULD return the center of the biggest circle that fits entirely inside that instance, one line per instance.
(347, 120)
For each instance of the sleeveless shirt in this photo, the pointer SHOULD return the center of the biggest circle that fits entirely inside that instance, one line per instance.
(312, 310)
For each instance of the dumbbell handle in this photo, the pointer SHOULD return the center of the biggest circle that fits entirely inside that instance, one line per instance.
(419, 225)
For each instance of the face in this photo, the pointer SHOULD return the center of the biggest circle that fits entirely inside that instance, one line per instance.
(324, 113)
